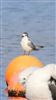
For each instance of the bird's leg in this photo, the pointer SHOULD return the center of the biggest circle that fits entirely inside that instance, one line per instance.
(29, 53)
(24, 52)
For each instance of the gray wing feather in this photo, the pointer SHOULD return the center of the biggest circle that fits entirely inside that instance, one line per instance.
(32, 45)
(52, 87)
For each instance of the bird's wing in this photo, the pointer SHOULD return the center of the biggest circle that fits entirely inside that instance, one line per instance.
(32, 45)
(37, 47)
(52, 87)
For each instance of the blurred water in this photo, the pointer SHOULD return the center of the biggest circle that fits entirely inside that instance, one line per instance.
(35, 17)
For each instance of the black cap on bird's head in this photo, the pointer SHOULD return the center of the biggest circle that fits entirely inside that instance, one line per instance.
(24, 34)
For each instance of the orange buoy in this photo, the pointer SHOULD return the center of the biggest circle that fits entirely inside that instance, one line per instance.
(20, 63)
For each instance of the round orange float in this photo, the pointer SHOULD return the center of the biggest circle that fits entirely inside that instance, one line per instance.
(17, 65)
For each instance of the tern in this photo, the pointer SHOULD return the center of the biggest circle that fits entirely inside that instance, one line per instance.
(27, 45)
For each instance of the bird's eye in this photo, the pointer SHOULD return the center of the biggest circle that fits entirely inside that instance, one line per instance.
(22, 36)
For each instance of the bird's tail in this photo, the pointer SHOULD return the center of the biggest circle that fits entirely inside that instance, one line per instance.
(39, 47)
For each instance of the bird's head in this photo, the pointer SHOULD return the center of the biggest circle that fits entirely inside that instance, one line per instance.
(24, 34)
(25, 74)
